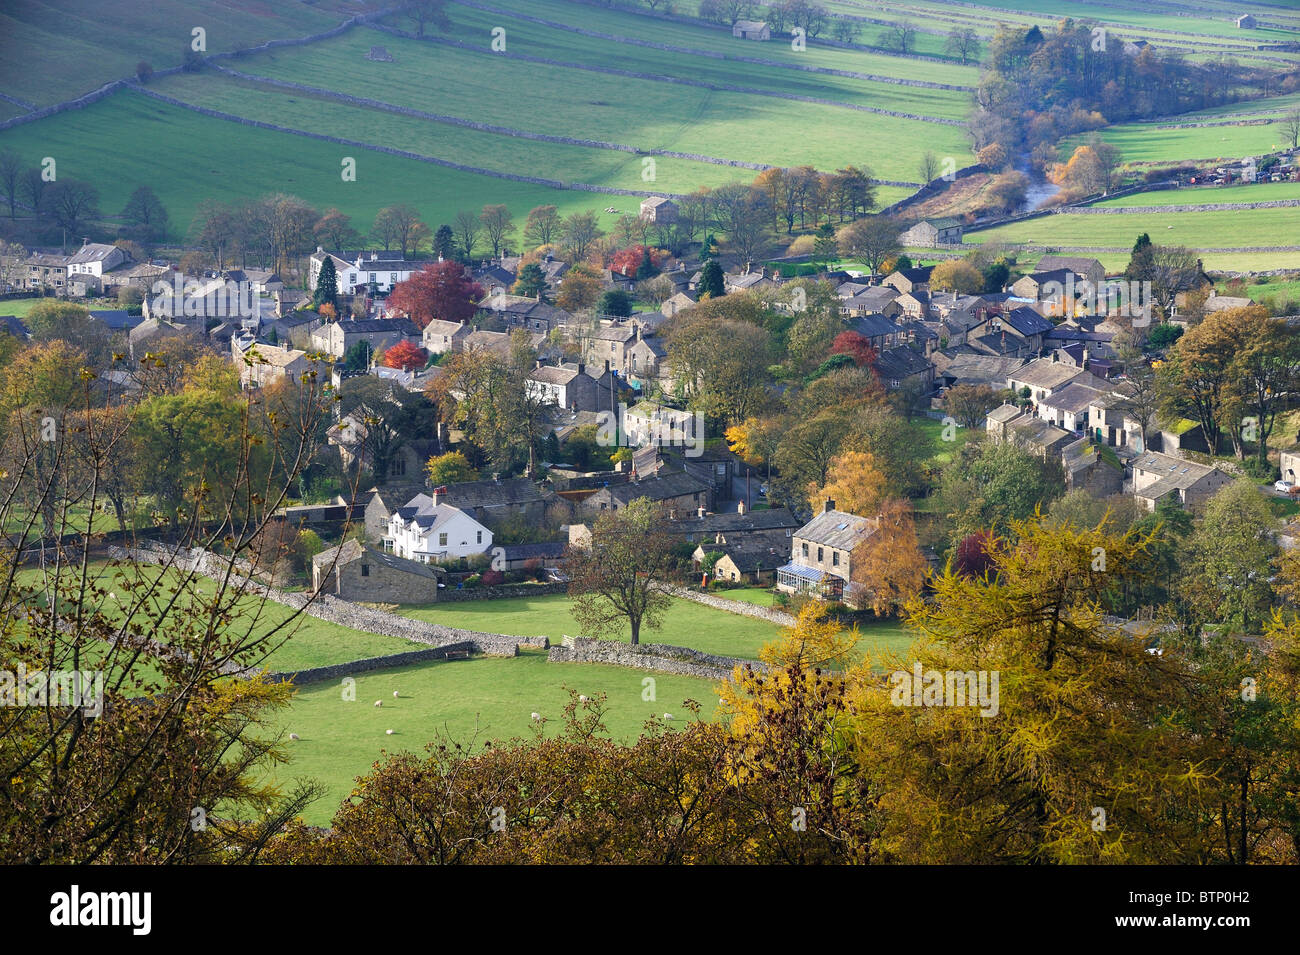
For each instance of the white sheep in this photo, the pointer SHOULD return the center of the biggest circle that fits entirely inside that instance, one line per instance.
(294, 736)
(582, 699)
(394, 694)
(668, 716)
(379, 702)
(537, 716)
(388, 732)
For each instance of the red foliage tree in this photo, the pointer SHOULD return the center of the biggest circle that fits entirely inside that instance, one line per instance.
(974, 555)
(627, 261)
(406, 356)
(442, 290)
(856, 346)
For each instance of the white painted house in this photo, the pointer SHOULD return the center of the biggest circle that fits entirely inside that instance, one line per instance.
(432, 532)
(356, 270)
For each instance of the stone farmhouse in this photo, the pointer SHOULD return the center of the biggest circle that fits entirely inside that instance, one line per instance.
(821, 553)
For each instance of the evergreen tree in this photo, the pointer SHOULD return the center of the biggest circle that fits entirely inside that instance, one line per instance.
(531, 281)
(711, 280)
(825, 248)
(646, 269)
(443, 242)
(615, 302)
(327, 285)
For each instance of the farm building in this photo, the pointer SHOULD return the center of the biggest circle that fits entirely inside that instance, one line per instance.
(658, 209)
(929, 233)
(1247, 22)
(751, 30)
(353, 571)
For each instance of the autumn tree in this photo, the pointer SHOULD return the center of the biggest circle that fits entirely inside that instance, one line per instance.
(970, 404)
(401, 226)
(1072, 691)
(334, 231)
(856, 485)
(888, 568)
(580, 289)
(542, 227)
(621, 579)
(956, 275)
(578, 234)
(442, 290)
(857, 346)
(406, 356)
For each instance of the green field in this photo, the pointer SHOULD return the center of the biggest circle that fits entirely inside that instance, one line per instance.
(1260, 228)
(585, 105)
(127, 140)
(1206, 195)
(305, 642)
(57, 49)
(1148, 143)
(473, 701)
(687, 624)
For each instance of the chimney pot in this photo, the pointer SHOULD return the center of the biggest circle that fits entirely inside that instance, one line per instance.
(828, 506)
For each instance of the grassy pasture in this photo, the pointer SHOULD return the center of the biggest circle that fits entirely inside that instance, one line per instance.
(1225, 229)
(1197, 195)
(127, 140)
(53, 50)
(473, 701)
(637, 112)
(687, 624)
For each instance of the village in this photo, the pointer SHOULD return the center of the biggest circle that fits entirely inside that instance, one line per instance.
(1045, 361)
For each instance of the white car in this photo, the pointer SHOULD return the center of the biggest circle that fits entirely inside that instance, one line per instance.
(1283, 486)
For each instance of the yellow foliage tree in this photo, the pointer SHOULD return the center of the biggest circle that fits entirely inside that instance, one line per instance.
(888, 566)
(856, 484)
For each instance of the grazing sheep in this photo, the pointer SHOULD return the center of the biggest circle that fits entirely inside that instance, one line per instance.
(394, 694)
(294, 736)
(668, 716)
(388, 732)
(379, 702)
(582, 699)
(537, 716)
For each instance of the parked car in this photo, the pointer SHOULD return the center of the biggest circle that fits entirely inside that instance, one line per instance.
(1283, 486)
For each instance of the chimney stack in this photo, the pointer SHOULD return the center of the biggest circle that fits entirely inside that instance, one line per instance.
(828, 506)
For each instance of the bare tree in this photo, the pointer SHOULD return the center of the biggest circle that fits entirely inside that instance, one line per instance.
(467, 227)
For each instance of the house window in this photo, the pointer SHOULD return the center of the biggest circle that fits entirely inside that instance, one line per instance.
(398, 467)
(819, 555)
(442, 540)
(480, 538)
(805, 550)
(372, 276)
(365, 570)
(835, 558)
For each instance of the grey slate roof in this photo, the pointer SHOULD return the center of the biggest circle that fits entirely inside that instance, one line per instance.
(837, 529)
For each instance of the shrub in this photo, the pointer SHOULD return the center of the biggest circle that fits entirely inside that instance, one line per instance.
(493, 578)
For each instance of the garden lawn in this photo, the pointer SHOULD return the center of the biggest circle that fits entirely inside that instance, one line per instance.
(473, 701)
